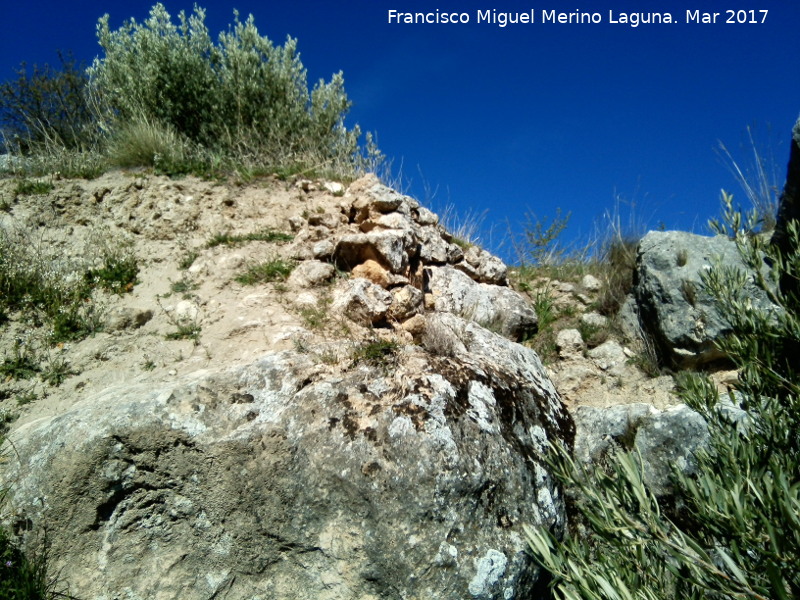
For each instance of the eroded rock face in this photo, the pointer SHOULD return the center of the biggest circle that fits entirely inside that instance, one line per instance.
(284, 479)
(673, 305)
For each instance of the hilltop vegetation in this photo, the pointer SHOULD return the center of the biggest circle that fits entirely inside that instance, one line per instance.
(167, 96)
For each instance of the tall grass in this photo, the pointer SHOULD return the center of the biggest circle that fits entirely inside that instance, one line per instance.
(758, 178)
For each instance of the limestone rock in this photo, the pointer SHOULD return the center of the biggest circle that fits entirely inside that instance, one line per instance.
(311, 273)
(416, 326)
(272, 480)
(406, 302)
(673, 304)
(591, 284)
(323, 250)
(593, 319)
(334, 187)
(185, 311)
(327, 220)
(434, 250)
(390, 248)
(570, 344)
(423, 216)
(127, 318)
(361, 301)
(497, 308)
(609, 356)
(628, 319)
(373, 271)
(486, 267)
(663, 438)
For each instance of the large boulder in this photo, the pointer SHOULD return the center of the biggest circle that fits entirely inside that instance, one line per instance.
(285, 478)
(674, 307)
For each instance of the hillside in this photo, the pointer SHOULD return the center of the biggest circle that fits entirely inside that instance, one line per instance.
(305, 389)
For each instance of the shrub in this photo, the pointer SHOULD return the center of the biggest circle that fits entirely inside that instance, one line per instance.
(759, 180)
(732, 529)
(51, 291)
(47, 107)
(242, 96)
(616, 274)
(377, 353)
(21, 578)
(185, 330)
(540, 246)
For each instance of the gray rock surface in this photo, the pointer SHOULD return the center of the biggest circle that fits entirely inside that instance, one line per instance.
(280, 479)
(311, 273)
(665, 439)
(673, 305)
(500, 309)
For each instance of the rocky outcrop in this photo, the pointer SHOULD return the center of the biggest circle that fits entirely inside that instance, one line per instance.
(673, 306)
(409, 477)
(389, 239)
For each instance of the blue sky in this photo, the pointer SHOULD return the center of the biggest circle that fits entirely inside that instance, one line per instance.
(527, 117)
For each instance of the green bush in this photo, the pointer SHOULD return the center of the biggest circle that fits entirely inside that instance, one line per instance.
(241, 97)
(377, 353)
(732, 530)
(47, 107)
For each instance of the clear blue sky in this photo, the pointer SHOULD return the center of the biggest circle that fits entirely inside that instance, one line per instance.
(529, 117)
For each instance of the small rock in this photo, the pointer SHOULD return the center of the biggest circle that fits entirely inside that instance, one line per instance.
(230, 262)
(489, 268)
(306, 299)
(565, 288)
(608, 355)
(415, 326)
(570, 344)
(334, 187)
(391, 247)
(374, 272)
(127, 318)
(385, 199)
(595, 320)
(326, 220)
(311, 273)
(185, 311)
(388, 221)
(591, 284)
(425, 217)
(306, 185)
(323, 250)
